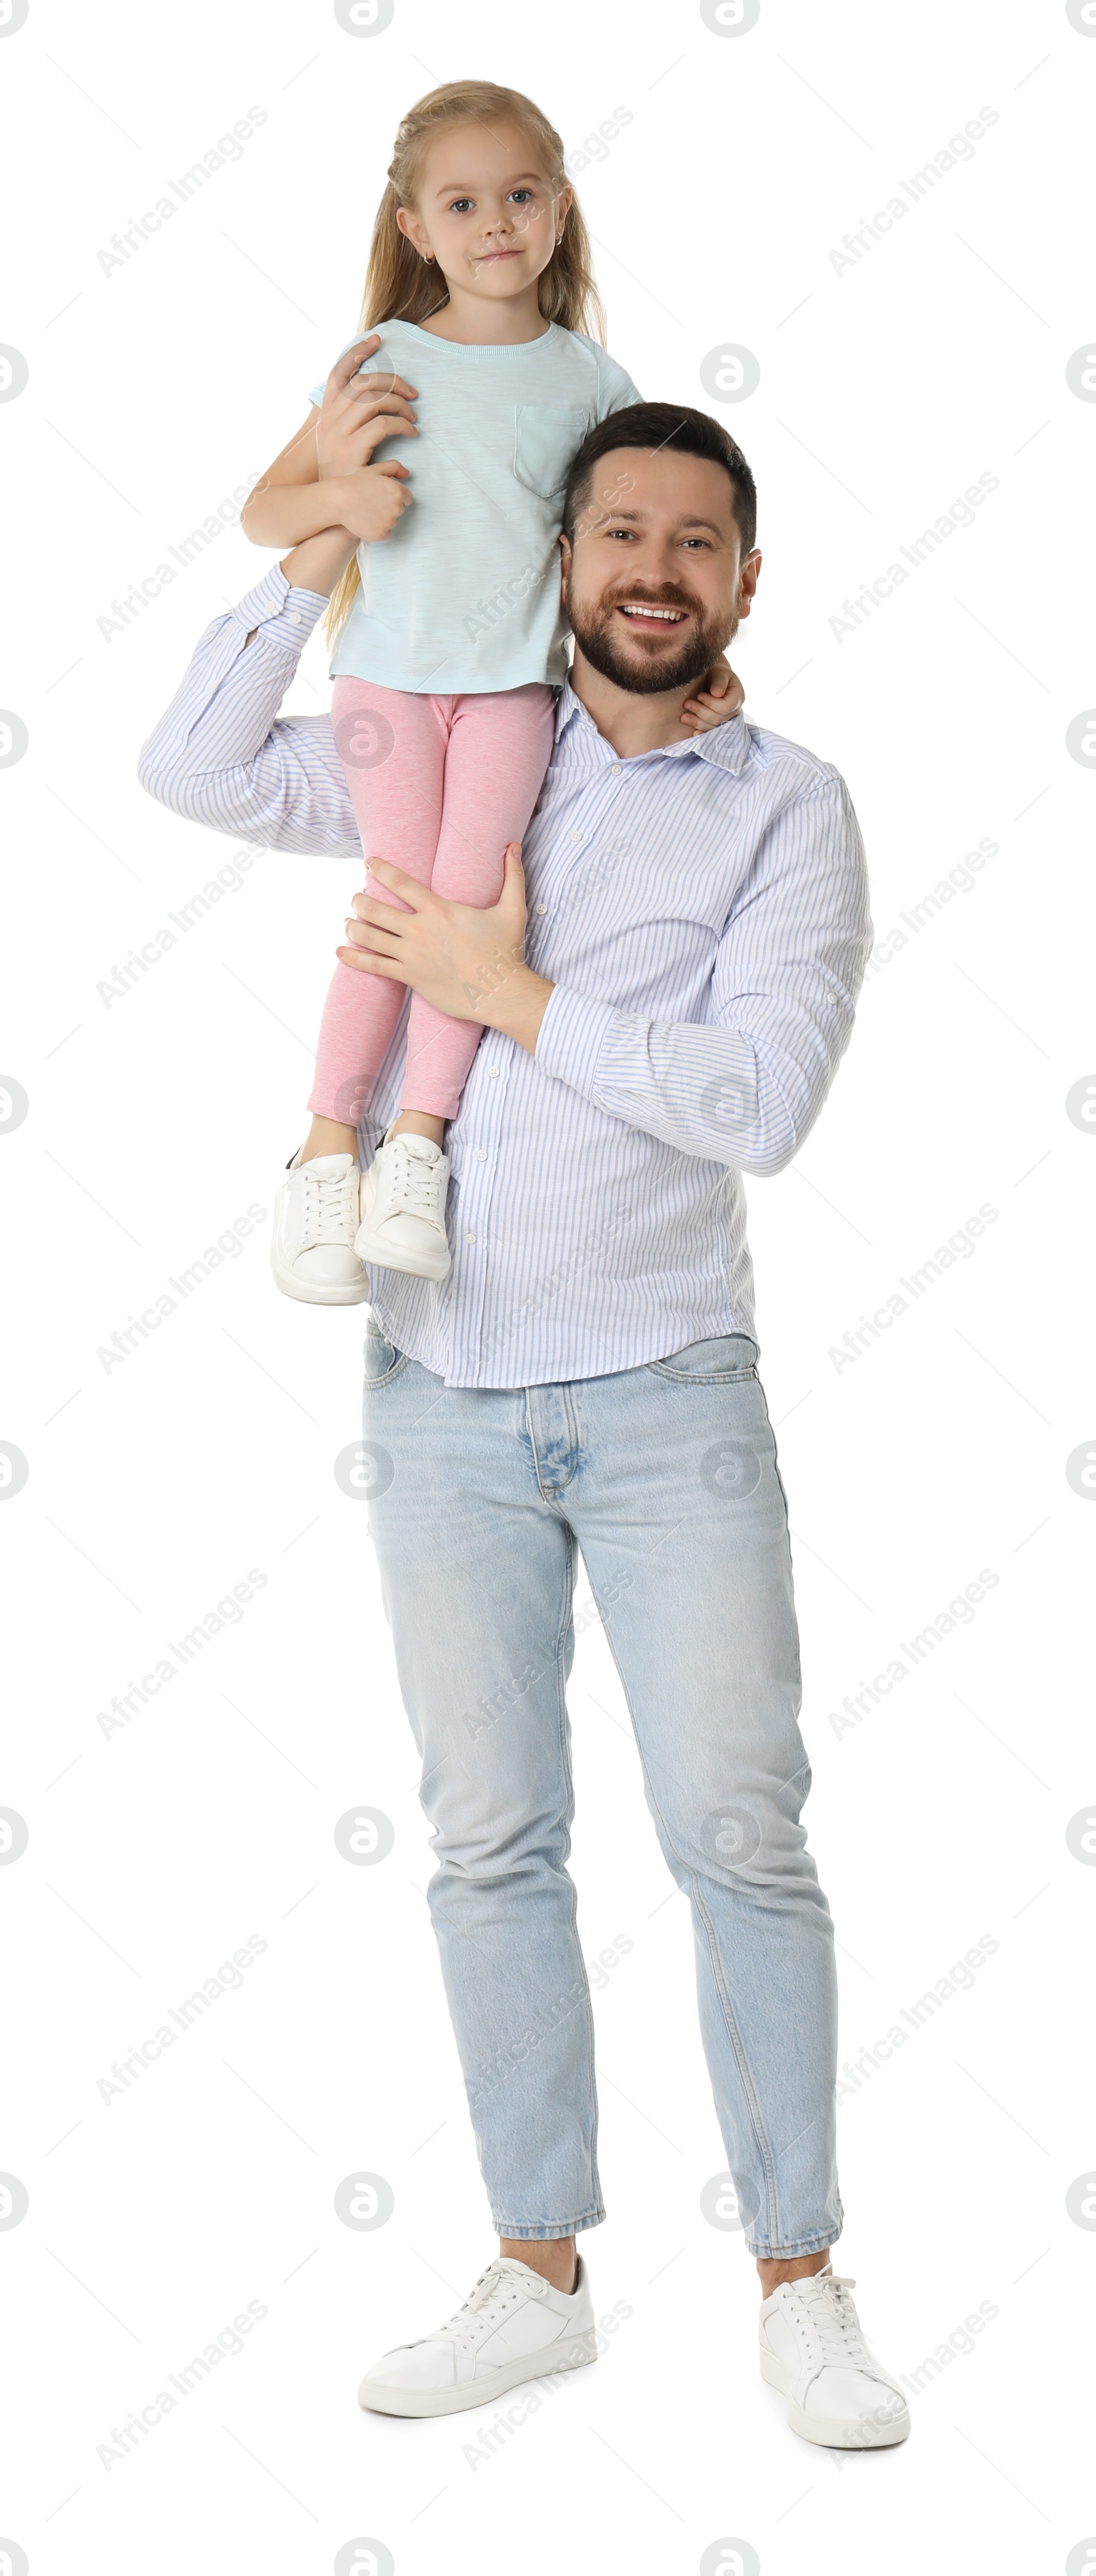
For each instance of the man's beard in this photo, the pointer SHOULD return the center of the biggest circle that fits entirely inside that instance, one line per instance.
(594, 630)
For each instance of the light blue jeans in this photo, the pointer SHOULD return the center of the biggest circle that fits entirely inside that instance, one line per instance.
(666, 1477)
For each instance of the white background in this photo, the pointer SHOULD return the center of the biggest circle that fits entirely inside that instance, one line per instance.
(157, 1483)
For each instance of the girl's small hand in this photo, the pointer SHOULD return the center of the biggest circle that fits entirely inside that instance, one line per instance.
(719, 697)
(370, 502)
(358, 411)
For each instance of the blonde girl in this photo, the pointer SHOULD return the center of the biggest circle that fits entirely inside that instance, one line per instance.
(484, 376)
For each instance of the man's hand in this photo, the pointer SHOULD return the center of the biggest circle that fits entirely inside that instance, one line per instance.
(719, 697)
(467, 962)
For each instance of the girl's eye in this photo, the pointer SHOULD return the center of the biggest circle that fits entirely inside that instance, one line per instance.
(522, 196)
(460, 205)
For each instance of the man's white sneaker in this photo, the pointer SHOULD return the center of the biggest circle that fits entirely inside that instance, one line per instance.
(403, 1208)
(316, 1214)
(813, 2351)
(513, 2327)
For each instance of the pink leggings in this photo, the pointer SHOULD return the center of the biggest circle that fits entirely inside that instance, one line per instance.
(439, 786)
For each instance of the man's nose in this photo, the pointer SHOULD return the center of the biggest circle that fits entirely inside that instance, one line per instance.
(660, 565)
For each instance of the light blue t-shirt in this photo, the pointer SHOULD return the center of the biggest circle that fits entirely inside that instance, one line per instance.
(463, 596)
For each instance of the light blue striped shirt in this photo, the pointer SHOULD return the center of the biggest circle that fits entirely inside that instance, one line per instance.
(702, 912)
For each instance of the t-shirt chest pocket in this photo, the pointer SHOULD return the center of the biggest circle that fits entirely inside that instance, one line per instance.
(546, 437)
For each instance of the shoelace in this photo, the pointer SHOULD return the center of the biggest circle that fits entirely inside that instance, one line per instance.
(494, 2291)
(833, 2318)
(417, 1186)
(328, 1214)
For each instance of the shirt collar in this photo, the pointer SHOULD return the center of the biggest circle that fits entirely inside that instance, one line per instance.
(728, 747)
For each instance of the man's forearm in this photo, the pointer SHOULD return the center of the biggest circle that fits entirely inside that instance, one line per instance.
(721, 1093)
(319, 562)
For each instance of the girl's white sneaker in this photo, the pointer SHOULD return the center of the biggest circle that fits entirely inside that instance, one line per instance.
(513, 2326)
(316, 1214)
(402, 1200)
(813, 2351)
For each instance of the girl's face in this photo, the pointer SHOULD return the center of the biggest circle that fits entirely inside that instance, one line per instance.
(485, 210)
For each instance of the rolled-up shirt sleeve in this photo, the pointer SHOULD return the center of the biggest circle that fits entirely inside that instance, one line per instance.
(745, 1084)
(221, 755)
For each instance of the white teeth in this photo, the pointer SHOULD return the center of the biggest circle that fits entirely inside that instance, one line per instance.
(639, 608)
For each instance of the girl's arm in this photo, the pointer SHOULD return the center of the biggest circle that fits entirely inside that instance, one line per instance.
(325, 477)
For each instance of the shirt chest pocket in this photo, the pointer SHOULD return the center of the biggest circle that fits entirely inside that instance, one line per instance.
(546, 437)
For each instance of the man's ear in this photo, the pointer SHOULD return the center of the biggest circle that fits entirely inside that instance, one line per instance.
(747, 582)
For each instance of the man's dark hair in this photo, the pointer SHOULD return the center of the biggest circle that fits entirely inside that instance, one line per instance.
(662, 425)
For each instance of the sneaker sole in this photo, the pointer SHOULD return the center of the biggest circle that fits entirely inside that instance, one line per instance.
(350, 1295)
(856, 2433)
(414, 1265)
(351, 1292)
(379, 2400)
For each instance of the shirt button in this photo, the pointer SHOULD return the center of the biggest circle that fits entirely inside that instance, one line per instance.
(540, 907)
(469, 1236)
(576, 836)
(493, 1072)
(481, 1153)
(295, 618)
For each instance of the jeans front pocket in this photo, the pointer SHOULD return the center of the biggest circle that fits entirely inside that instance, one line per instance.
(546, 437)
(730, 1356)
(381, 1361)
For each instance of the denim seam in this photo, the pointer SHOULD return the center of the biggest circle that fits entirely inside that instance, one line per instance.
(733, 2033)
(741, 2060)
(700, 1377)
(370, 1385)
(725, 2001)
(776, 1469)
(573, 1445)
(816, 2244)
(537, 2231)
(565, 1762)
(787, 1533)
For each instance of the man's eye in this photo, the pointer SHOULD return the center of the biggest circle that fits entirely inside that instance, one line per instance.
(621, 532)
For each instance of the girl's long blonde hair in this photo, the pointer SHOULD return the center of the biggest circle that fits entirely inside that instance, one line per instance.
(401, 287)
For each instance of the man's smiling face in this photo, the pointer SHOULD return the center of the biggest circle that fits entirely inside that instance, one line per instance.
(654, 584)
